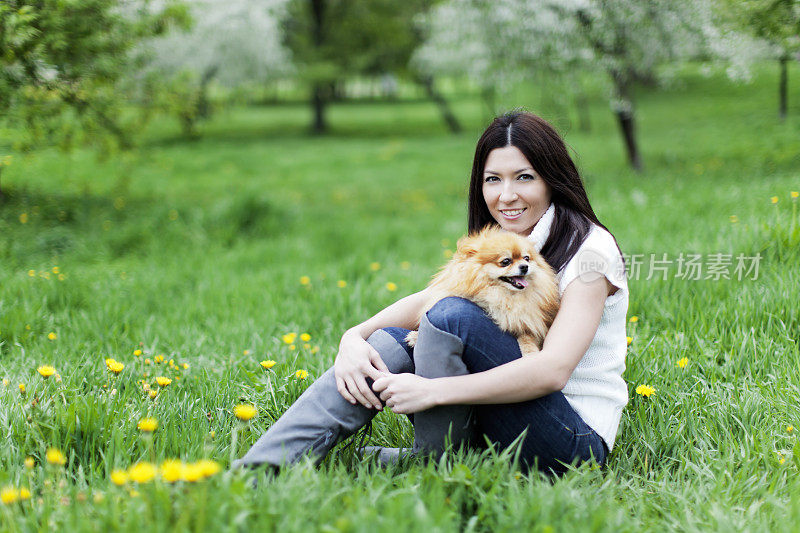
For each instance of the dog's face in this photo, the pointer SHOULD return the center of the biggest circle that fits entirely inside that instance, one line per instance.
(500, 258)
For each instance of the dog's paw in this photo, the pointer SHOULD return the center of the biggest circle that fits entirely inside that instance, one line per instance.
(411, 338)
(528, 346)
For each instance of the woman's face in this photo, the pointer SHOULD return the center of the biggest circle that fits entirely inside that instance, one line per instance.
(515, 194)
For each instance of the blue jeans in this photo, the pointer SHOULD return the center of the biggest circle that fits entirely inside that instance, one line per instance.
(556, 434)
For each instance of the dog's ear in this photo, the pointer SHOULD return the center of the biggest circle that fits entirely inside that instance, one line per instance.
(466, 246)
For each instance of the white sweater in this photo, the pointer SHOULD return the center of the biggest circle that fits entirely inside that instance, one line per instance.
(596, 389)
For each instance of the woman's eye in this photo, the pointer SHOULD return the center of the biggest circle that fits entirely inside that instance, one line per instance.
(526, 176)
(505, 262)
(487, 179)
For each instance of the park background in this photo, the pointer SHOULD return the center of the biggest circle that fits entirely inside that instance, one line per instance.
(211, 193)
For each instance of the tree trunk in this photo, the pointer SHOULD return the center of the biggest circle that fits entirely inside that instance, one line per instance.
(318, 102)
(319, 94)
(625, 117)
(582, 107)
(448, 116)
(203, 105)
(783, 88)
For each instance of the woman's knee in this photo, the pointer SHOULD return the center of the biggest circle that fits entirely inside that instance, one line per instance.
(453, 314)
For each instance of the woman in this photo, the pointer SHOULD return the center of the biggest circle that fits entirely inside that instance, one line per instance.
(465, 380)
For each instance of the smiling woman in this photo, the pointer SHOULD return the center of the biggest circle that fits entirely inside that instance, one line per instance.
(465, 378)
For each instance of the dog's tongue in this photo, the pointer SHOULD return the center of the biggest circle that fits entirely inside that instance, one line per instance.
(521, 281)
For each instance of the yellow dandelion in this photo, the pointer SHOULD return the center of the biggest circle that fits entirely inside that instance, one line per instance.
(629, 340)
(32, 273)
(734, 219)
(142, 472)
(24, 494)
(159, 359)
(405, 265)
(375, 266)
(29, 462)
(23, 218)
(137, 353)
(192, 473)
(98, 497)
(22, 388)
(794, 194)
(774, 199)
(134, 493)
(306, 346)
(289, 338)
(52, 336)
(172, 470)
(305, 337)
(119, 477)
(301, 374)
(208, 467)
(5, 382)
(114, 366)
(185, 366)
(246, 352)
(9, 495)
(172, 362)
(782, 460)
(682, 362)
(634, 319)
(46, 371)
(147, 361)
(391, 287)
(55, 456)
(341, 284)
(245, 411)
(315, 349)
(789, 428)
(292, 347)
(163, 381)
(147, 425)
(269, 363)
(152, 394)
(645, 390)
(56, 270)
(305, 280)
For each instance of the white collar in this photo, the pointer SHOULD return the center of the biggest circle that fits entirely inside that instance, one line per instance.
(541, 231)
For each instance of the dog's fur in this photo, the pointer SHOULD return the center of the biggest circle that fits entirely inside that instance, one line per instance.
(475, 272)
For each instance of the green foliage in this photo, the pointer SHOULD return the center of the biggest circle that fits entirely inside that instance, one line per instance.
(61, 62)
(776, 21)
(200, 257)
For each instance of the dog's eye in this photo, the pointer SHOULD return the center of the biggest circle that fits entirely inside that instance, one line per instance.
(505, 262)
(527, 258)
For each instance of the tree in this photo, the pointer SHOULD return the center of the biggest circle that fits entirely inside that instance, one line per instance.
(331, 40)
(776, 22)
(61, 62)
(235, 43)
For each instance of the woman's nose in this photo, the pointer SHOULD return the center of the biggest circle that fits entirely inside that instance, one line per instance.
(508, 194)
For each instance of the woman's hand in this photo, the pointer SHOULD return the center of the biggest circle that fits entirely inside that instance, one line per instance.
(356, 361)
(406, 393)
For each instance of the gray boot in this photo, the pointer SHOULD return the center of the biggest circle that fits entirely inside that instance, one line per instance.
(437, 354)
(321, 417)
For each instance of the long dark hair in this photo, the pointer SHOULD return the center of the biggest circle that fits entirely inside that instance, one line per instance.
(545, 150)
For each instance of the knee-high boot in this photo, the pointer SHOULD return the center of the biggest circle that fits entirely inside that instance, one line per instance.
(437, 353)
(321, 417)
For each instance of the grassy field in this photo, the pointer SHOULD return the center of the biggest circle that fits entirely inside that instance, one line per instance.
(198, 252)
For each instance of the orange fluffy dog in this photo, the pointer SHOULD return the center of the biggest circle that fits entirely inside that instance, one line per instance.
(505, 275)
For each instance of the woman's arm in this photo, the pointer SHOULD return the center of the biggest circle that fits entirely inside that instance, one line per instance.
(357, 360)
(519, 380)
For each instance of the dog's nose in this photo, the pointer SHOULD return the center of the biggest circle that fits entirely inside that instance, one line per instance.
(523, 269)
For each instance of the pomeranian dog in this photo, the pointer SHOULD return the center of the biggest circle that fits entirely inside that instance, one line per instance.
(504, 274)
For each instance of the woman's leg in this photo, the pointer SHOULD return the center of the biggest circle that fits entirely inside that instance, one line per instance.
(321, 417)
(555, 433)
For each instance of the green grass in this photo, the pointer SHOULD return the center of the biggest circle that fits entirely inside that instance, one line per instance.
(194, 250)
